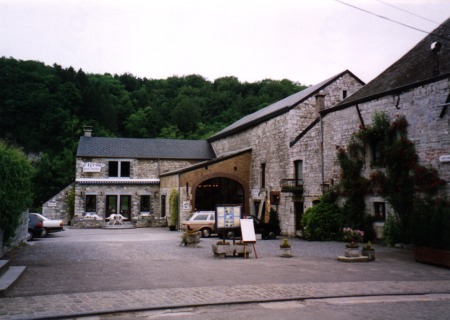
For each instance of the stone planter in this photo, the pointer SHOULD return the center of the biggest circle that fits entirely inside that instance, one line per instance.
(230, 250)
(433, 256)
(193, 238)
(370, 254)
(352, 252)
(285, 252)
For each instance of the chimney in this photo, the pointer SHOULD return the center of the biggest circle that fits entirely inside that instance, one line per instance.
(320, 102)
(87, 131)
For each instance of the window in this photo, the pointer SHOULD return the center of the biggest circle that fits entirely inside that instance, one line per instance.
(91, 203)
(298, 173)
(378, 154)
(145, 203)
(163, 205)
(201, 217)
(379, 210)
(263, 175)
(119, 169)
(344, 94)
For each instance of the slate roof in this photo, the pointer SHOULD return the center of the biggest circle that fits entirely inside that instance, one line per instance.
(144, 148)
(276, 108)
(416, 67)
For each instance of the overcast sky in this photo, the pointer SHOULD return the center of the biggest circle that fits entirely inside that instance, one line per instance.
(302, 40)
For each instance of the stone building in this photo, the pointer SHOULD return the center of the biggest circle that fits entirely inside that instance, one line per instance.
(283, 155)
(288, 180)
(255, 163)
(417, 87)
(121, 175)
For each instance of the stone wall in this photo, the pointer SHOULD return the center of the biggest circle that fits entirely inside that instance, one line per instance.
(20, 235)
(135, 191)
(56, 207)
(140, 168)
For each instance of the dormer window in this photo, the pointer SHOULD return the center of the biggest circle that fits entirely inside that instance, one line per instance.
(119, 169)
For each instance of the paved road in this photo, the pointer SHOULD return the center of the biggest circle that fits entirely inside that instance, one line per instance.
(92, 271)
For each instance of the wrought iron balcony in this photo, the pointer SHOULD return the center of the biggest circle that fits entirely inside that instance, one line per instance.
(292, 185)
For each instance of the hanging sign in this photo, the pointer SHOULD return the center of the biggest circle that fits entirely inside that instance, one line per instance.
(92, 166)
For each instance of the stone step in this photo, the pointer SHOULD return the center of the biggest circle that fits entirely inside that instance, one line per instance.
(3, 266)
(8, 278)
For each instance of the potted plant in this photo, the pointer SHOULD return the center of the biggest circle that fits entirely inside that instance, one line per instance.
(368, 251)
(353, 237)
(285, 248)
(190, 237)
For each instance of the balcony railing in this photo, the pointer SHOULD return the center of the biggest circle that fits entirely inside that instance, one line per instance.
(292, 185)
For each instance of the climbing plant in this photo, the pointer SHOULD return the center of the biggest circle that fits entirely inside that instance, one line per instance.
(401, 181)
(173, 208)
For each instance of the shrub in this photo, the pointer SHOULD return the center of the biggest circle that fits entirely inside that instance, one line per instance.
(430, 223)
(174, 212)
(15, 188)
(322, 222)
(392, 232)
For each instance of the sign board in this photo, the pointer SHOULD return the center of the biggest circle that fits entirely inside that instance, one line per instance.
(248, 230)
(228, 216)
(445, 158)
(92, 166)
(186, 205)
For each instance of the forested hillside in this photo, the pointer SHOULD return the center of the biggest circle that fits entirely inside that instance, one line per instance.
(43, 110)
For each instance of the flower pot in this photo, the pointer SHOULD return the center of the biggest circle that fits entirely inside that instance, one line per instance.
(285, 252)
(230, 250)
(352, 252)
(221, 250)
(368, 253)
(173, 228)
(193, 238)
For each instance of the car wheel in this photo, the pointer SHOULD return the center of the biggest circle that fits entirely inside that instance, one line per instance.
(206, 232)
(44, 233)
(230, 234)
(29, 235)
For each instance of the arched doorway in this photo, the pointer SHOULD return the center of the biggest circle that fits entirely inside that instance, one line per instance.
(216, 191)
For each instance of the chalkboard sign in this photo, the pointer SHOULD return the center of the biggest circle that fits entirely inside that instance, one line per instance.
(248, 230)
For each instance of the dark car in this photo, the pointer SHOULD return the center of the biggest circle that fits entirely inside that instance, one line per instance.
(35, 226)
(267, 230)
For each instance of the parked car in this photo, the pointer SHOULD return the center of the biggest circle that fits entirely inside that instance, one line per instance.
(202, 221)
(35, 226)
(50, 225)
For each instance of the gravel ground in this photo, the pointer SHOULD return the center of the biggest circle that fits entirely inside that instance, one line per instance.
(86, 260)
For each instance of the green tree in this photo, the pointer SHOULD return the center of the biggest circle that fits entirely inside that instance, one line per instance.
(15, 188)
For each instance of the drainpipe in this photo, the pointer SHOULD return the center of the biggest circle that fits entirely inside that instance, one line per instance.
(320, 106)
